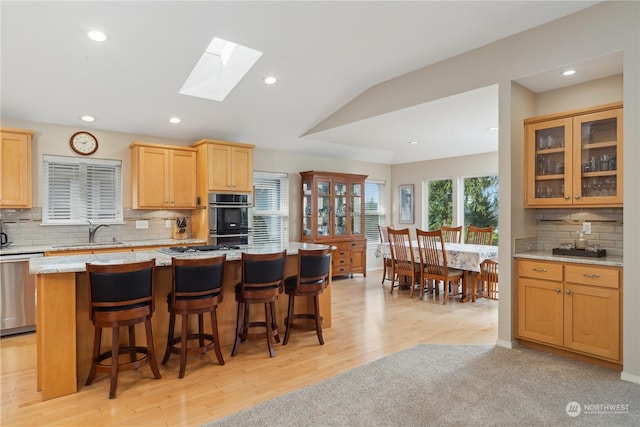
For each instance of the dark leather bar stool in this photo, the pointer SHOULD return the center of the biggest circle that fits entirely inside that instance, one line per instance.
(311, 281)
(121, 295)
(196, 289)
(262, 283)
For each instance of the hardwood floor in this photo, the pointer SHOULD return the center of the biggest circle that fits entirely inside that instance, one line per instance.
(368, 324)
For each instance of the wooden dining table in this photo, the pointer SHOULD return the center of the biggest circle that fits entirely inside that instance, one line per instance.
(461, 256)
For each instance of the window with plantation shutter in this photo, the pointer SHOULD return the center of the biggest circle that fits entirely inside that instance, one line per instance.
(270, 214)
(77, 190)
(374, 209)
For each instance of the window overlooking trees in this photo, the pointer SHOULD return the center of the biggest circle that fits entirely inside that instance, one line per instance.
(439, 203)
(481, 203)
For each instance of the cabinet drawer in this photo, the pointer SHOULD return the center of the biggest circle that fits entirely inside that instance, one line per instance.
(540, 270)
(597, 276)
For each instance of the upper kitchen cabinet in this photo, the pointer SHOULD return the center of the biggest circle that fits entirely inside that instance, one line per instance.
(574, 159)
(15, 168)
(228, 165)
(162, 176)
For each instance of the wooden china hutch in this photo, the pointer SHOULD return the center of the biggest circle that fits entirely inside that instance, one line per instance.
(333, 213)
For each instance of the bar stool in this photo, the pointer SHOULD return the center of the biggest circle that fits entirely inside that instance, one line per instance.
(121, 295)
(262, 282)
(196, 289)
(311, 281)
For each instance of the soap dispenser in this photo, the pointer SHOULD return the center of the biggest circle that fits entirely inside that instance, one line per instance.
(581, 243)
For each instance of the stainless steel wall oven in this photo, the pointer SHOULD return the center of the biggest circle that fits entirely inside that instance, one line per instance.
(230, 219)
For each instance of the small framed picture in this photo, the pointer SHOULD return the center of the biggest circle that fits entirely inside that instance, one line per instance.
(406, 204)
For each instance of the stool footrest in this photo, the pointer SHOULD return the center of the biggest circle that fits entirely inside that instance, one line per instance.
(176, 349)
(135, 364)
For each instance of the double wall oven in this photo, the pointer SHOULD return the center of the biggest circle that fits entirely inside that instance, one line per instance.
(229, 219)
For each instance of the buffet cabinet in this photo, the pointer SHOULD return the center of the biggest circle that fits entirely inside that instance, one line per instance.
(15, 168)
(574, 159)
(162, 176)
(333, 213)
(573, 307)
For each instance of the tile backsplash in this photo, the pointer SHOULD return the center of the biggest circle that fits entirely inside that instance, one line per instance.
(557, 226)
(24, 227)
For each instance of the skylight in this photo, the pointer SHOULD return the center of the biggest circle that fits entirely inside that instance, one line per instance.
(222, 65)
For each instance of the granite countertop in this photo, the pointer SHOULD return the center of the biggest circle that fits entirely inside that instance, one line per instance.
(24, 249)
(611, 261)
(77, 263)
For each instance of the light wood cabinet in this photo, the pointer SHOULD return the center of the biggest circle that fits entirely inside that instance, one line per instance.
(15, 168)
(333, 213)
(162, 176)
(574, 159)
(229, 166)
(574, 307)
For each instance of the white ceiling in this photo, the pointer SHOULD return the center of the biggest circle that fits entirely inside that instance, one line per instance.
(323, 53)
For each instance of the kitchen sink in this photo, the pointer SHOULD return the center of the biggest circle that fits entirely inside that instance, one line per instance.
(87, 245)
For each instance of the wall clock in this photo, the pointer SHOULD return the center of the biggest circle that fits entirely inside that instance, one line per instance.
(83, 143)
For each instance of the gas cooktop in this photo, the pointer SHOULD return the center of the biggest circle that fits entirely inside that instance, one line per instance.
(204, 248)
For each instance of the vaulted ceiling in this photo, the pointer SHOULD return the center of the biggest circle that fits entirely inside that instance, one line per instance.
(324, 54)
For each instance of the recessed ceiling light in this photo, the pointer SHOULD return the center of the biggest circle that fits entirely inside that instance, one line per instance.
(97, 36)
(175, 120)
(269, 80)
(414, 142)
(492, 128)
(88, 118)
(569, 72)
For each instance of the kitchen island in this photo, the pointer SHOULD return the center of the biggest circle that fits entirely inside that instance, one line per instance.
(64, 331)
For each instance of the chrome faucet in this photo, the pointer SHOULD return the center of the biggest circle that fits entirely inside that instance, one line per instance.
(92, 231)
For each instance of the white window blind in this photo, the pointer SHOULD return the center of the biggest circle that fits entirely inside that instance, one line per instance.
(374, 208)
(270, 216)
(77, 190)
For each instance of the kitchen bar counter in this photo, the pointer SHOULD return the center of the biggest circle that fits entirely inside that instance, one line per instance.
(71, 247)
(64, 332)
(611, 261)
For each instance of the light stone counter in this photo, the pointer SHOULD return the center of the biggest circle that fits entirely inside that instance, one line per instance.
(611, 261)
(23, 249)
(77, 263)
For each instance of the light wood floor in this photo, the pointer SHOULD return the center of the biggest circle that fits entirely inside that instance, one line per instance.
(368, 324)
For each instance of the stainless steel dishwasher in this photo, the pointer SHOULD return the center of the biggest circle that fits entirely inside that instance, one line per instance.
(18, 294)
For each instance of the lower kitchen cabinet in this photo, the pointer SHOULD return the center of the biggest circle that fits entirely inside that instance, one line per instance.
(573, 307)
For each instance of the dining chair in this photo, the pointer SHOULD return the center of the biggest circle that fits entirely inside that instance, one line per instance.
(433, 262)
(488, 279)
(479, 235)
(402, 258)
(451, 234)
(387, 265)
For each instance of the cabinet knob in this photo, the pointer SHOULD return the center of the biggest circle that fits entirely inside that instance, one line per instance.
(568, 292)
(557, 290)
(566, 197)
(577, 197)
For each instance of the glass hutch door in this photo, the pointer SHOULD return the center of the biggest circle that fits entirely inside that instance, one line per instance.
(340, 226)
(324, 207)
(355, 212)
(307, 208)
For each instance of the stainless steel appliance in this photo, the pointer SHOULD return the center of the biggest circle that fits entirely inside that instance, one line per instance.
(229, 219)
(18, 294)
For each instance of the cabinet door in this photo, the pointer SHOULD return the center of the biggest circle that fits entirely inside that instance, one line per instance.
(340, 208)
(307, 210)
(153, 177)
(183, 179)
(15, 172)
(548, 158)
(219, 164)
(596, 154)
(592, 320)
(323, 207)
(242, 169)
(356, 209)
(540, 310)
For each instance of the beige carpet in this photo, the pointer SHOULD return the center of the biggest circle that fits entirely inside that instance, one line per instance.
(436, 385)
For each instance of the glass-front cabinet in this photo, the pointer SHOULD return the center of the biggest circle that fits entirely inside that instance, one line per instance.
(575, 159)
(333, 213)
